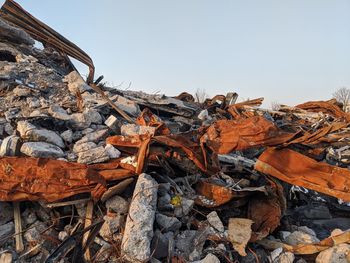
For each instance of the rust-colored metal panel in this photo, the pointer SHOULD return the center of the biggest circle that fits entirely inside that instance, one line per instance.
(25, 178)
(297, 169)
(326, 107)
(225, 136)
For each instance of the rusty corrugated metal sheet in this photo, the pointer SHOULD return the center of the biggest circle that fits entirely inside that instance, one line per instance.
(225, 136)
(25, 178)
(297, 169)
(326, 107)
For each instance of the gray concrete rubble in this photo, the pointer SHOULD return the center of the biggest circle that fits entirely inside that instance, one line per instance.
(94, 155)
(138, 233)
(132, 129)
(137, 177)
(41, 150)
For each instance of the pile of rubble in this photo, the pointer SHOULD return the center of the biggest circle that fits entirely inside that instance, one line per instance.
(96, 174)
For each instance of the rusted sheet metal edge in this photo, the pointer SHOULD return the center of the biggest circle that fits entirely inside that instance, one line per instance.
(26, 178)
(297, 169)
(14, 13)
(308, 249)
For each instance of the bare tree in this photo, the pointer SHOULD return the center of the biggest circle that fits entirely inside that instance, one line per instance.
(342, 95)
(201, 95)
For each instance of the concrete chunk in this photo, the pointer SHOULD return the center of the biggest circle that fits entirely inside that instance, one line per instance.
(41, 150)
(29, 132)
(138, 231)
(133, 129)
(95, 155)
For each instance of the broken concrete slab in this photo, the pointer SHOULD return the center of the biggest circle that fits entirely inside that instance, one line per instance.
(58, 112)
(133, 129)
(6, 230)
(95, 155)
(112, 151)
(167, 223)
(299, 237)
(138, 233)
(82, 147)
(214, 221)
(117, 204)
(10, 146)
(6, 214)
(337, 254)
(41, 150)
(30, 132)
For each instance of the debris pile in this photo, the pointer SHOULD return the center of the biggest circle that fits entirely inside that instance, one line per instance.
(96, 174)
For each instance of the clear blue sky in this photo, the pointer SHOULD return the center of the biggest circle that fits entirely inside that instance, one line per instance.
(288, 51)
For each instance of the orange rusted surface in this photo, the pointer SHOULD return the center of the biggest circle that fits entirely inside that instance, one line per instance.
(297, 169)
(326, 107)
(237, 110)
(319, 135)
(25, 178)
(191, 149)
(147, 118)
(216, 195)
(266, 214)
(225, 136)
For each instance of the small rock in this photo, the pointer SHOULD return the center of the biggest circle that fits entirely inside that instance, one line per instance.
(41, 150)
(111, 226)
(7, 229)
(138, 232)
(5, 257)
(82, 147)
(113, 123)
(29, 132)
(6, 214)
(239, 233)
(127, 105)
(94, 136)
(298, 237)
(72, 157)
(133, 129)
(33, 234)
(313, 212)
(87, 130)
(284, 234)
(80, 121)
(76, 83)
(21, 91)
(167, 223)
(117, 204)
(215, 221)
(113, 152)
(9, 129)
(94, 116)
(33, 102)
(28, 217)
(58, 112)
(185, 207)
(337, 254)
(285, 257)
(96, 155)
(185, 240)
(307, 230)
(10, 146)
(336, 232)
(210, 258)
(67, 136)
(77, 135)
(62, 235)
(161, 242)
